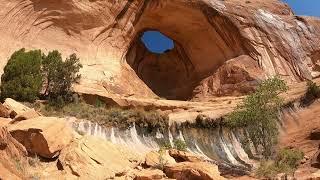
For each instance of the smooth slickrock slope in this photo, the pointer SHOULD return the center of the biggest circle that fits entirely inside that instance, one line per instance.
(207, 34)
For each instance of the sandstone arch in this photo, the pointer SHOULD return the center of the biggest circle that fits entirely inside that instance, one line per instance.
(204, 41)
(243, 37)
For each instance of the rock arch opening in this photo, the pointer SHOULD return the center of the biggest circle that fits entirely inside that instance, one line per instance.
(156, 42)
(203, 42)
(165, 70)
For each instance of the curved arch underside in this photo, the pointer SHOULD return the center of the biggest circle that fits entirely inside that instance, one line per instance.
(203, 43)
(222, 48)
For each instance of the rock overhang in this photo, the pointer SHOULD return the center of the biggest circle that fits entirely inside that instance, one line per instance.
(204, 41)
(102, 33)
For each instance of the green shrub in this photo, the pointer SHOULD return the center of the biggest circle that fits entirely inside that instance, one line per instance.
(313, 92)
(286, 161)
(289, 159)
(258, 116)
(179, 145)
(313, 89)
(22, 78)
(162, 161)
(99, 103)
(27, 72)
(165, 144)
(59, 76)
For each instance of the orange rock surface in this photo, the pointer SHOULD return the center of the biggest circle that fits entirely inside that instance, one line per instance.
(207, 35)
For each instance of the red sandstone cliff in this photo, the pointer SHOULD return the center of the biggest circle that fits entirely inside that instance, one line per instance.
(209, 35)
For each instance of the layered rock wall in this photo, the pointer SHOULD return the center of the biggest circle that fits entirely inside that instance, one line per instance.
(207, 34)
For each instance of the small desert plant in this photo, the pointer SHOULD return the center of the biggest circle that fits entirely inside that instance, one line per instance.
(164, 144)
(34, 161)
(267, 169)
(313, 89)
(19, 165)
(22, 166)
(27, 167)
(162, 161)
(313, 92)
(179, 145)
(286, 161)
(32, 167)
(99, 103)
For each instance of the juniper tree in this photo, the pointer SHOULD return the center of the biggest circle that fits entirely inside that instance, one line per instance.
(22, 77)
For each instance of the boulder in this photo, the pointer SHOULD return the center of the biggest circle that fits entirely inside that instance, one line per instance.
(155, 159)
(10, 145)
(92, 158)
(28, 114)
(149, 174)
(182, 156)
(4, 111)
(15, 107)
(11, 151)
(193, 170)
(45, 136)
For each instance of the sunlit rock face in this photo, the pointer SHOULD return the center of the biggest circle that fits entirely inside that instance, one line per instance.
(208, 35)
(216, 145)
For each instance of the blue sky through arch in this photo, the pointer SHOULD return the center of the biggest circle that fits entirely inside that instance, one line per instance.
(157, 42)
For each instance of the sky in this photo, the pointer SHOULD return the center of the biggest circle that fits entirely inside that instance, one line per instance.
(158, 43)
(305, 7)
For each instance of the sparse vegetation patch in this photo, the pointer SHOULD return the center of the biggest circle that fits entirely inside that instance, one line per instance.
(108, 116)
(286, 161)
